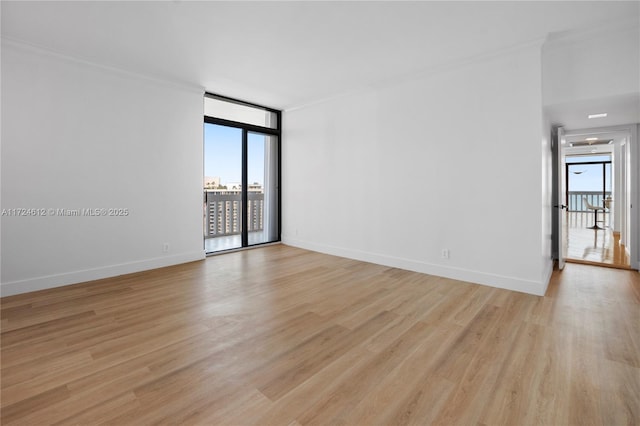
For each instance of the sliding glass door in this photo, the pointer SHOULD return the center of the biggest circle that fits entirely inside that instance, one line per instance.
(262, 169)
(222, 187)
(242, 178)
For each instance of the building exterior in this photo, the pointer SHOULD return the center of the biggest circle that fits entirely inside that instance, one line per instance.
(223, 210)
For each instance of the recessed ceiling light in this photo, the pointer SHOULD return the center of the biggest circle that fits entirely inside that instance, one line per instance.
(599, 115)
(591, 139)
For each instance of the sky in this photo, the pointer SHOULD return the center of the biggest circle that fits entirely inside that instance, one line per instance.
(588, 177)
(223, 154)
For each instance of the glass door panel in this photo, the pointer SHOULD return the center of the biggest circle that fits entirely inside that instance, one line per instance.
(589, 182)
(222, 187)
(262, 197)
(585, 181)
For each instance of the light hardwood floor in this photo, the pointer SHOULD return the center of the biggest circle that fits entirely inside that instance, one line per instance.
(283, 336)
(598, 247)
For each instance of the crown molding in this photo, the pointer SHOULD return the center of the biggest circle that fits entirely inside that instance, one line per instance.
(10, 42)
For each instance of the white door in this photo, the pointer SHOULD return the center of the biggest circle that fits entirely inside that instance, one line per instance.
(560, 201)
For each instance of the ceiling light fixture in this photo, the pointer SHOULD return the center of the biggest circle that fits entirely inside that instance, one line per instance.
(599, 115)
(591, 139)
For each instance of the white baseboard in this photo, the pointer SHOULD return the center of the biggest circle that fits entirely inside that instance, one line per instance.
(546, 277)
(50, 281)
(492, 280)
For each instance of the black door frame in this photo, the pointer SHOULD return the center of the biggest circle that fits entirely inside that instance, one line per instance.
(246, 129)
(604, 177)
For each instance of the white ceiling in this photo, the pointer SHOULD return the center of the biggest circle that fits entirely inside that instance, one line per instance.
(603, 134)
(286, 54)
(623, 109)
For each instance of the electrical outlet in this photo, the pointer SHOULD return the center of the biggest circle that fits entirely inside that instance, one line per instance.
(165, 247)
(445, 253)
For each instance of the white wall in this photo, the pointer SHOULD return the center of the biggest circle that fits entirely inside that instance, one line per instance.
(467, 145)
(76, 136)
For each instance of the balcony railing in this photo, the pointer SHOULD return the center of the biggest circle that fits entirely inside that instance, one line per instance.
(223, 211)
(576, 203)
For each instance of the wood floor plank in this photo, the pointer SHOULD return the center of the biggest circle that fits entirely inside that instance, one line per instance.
(336, 407)
(620, 391)
(15, 377)
(98, 414)
(454, 363)
(471, 305)
(286, 373)
(240, 408)
(16, 410)
(288, 370)
(443, 308)
(312, 390)
(280, 335)
(516, 383)
(493, 342)
(93, 400)
(396, 399)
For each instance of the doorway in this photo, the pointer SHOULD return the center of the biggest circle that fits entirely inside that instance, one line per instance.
(597, 221)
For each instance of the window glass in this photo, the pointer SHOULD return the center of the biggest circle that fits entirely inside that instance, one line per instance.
(234, 111)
